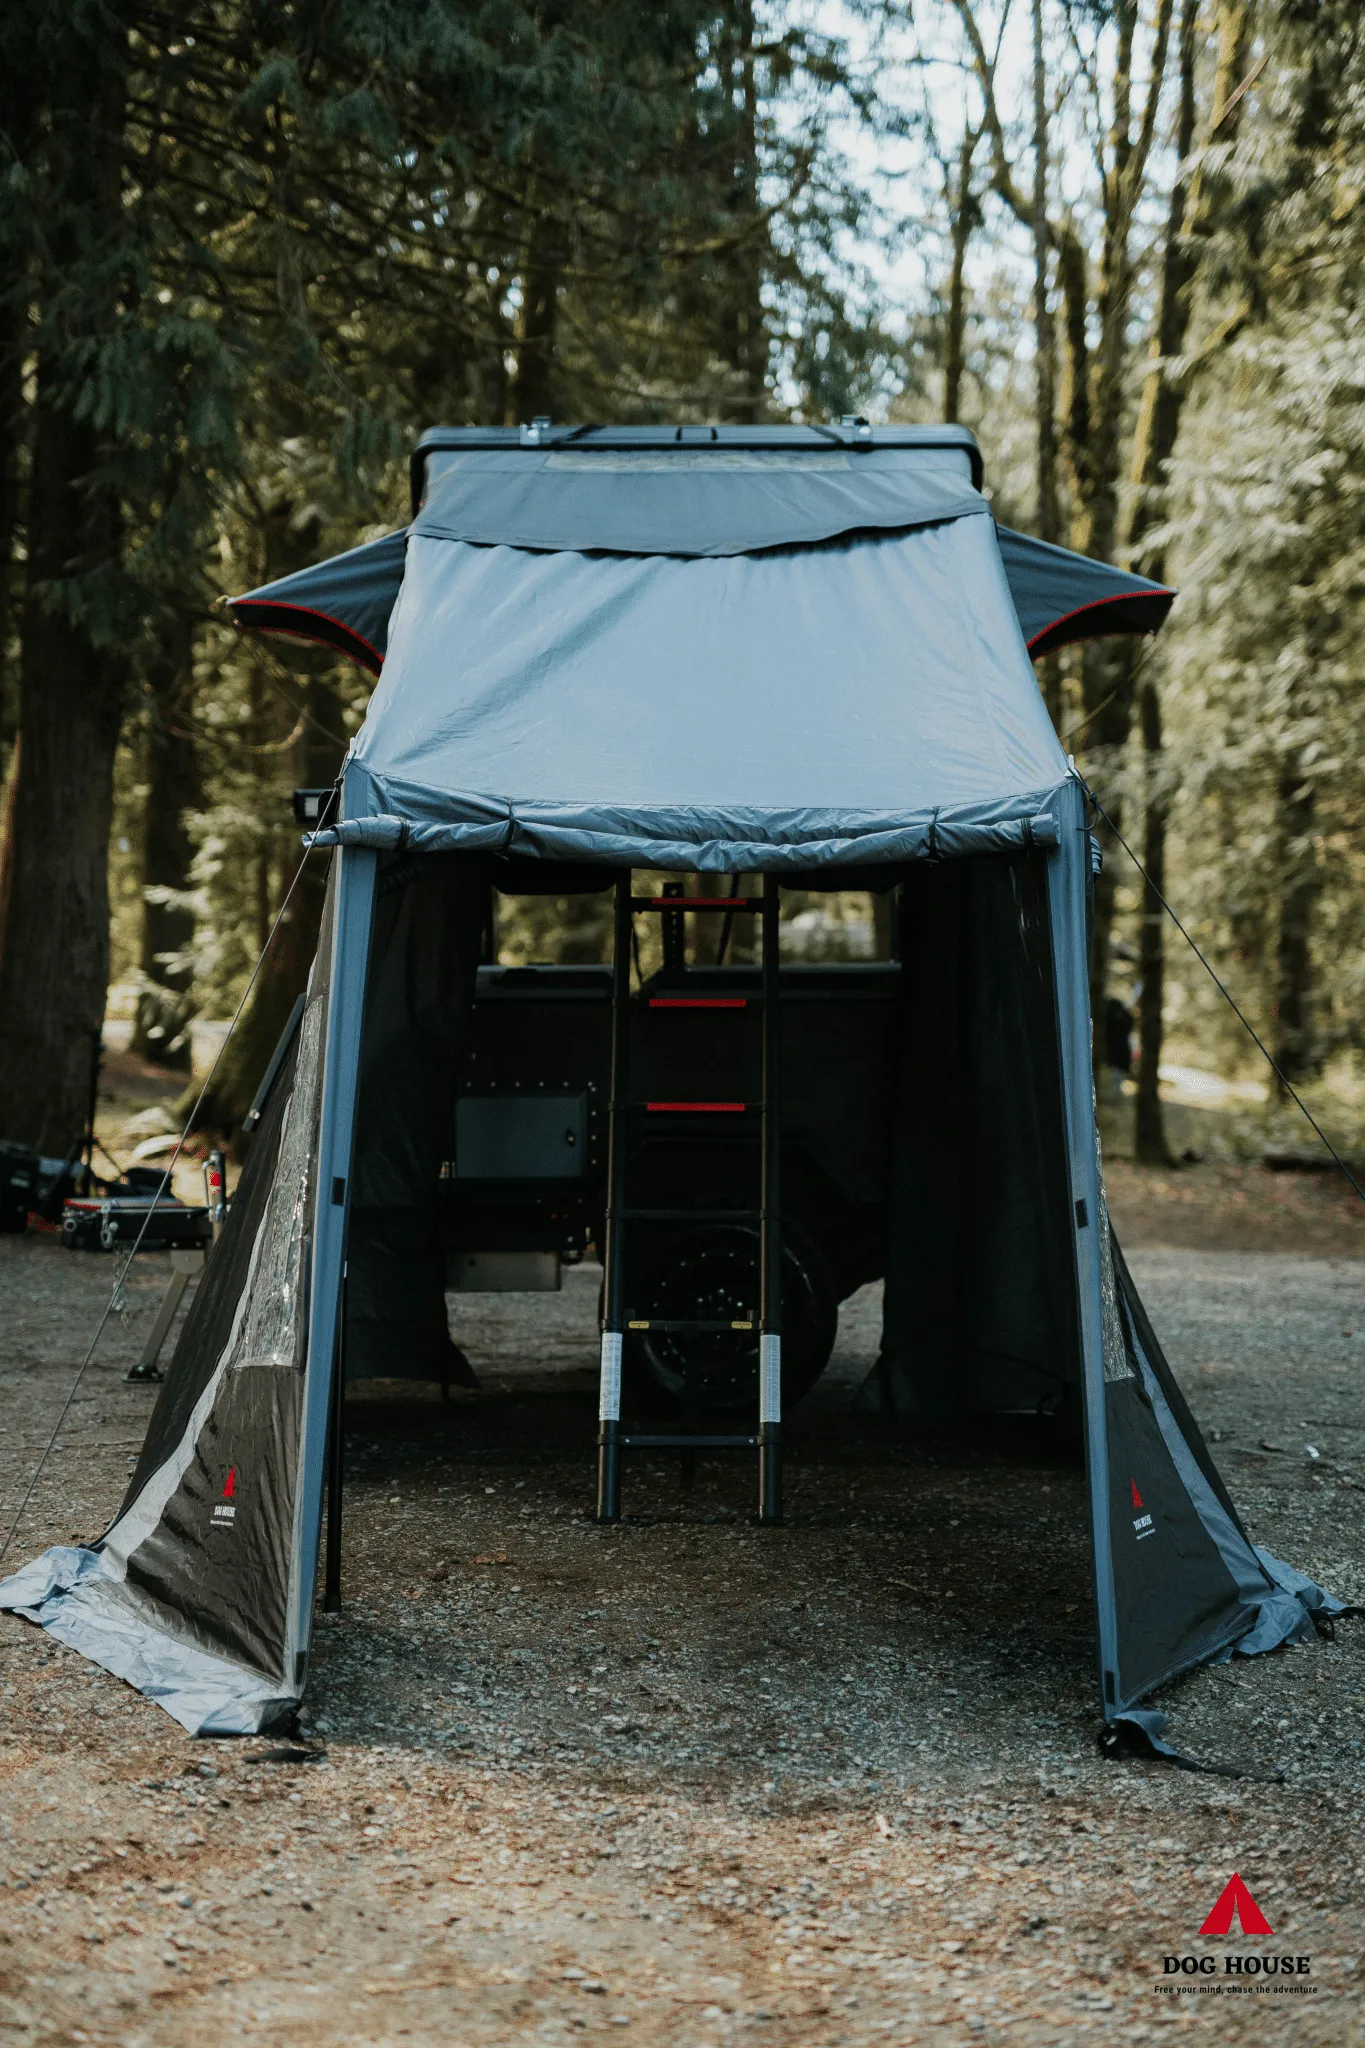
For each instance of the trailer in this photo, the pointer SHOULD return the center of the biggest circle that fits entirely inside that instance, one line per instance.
(526, 1185)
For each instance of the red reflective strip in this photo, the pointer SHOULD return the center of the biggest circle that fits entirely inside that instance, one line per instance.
(1095, 604)
(699, 1002)
(708, 1106)
(374, 662)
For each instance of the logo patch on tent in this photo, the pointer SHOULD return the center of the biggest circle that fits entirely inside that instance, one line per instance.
(225, 1512)
(1143, 1525)
(1235, 1898)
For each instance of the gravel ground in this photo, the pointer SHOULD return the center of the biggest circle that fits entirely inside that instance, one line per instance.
(684, 1781)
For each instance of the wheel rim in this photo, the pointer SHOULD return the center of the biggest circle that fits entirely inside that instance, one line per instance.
(711, 1274)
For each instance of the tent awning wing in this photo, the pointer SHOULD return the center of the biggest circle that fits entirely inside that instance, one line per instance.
(344, 603)
(1061, 597)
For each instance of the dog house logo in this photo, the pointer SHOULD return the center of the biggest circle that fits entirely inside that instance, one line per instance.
(225, 1507)
(1143, 1525)
(1236, 1900)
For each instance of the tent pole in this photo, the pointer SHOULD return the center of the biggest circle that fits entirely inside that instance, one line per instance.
(1068, 892)
(614, 1281)
(350, 948)
(770, 1225)
(336, 1465)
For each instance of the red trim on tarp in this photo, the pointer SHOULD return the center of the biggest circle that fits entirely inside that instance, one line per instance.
(1095, 604)
(343, 637)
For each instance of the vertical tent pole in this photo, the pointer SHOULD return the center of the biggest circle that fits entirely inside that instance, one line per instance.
(353, 905)
(1068, 893)
(614, 1288)
(770, 1207)
(336, 1467)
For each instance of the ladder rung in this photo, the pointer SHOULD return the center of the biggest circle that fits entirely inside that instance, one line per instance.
(696, 902)
(686, 1323)
(700, 1002)
(695, 1108)
(690, 1443)
(692, 1215)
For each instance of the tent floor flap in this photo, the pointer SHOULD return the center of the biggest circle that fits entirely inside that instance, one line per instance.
(76, 1596)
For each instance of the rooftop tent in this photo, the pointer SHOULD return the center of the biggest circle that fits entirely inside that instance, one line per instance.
(791, 652)
(1059, 597)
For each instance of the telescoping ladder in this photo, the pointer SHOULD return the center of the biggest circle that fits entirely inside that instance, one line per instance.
(621, 1315)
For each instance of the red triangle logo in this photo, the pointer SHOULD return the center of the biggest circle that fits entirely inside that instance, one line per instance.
(1235, 1898)
(230, 1484)
(1137, 1497)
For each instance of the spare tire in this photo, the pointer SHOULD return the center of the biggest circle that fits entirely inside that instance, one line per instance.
(709, 1271)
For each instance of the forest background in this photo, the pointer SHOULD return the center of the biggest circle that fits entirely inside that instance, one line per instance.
(250, 251)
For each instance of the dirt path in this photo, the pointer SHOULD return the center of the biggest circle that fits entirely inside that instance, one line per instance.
(679, 1781)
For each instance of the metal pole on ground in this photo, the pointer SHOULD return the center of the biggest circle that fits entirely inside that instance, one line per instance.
(770, 1205)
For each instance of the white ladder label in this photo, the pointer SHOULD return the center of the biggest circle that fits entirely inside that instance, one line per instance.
(770, 1379)
(609, 1399)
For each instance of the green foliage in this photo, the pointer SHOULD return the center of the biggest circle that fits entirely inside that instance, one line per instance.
(1267, 708)
(342, 223)
(337, 221)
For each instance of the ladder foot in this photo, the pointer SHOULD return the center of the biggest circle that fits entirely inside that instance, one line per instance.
(609, 1473)
(770, 1475)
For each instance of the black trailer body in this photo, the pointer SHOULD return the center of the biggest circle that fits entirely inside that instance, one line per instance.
(527, 1171)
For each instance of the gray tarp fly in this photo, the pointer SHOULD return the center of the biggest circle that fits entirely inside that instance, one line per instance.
(728, 650)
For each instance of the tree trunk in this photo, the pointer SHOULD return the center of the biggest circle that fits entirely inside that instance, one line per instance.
(160, 1027)
(13, 410)
(55, 963)
(19, 91)
(1294, 1046)
(532, 392)
(744, 329)
(54, 947)
(1154, 439)
(1047, 518)
(1149, 1128)
(962, 202)
(1044, 329)
(283, 978)
(1106, 692)
(317, 755)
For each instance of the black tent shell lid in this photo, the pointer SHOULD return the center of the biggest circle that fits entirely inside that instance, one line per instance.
(688, 505)
(543, 436)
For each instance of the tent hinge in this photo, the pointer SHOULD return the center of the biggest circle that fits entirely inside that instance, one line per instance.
(1082, 1215)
